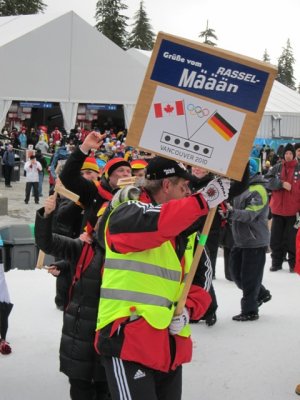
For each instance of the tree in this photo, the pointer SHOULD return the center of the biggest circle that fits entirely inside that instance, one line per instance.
(266, 57)
(285, 67)
(208, 34)
(111, 22)
(21, 7)
(141, 36)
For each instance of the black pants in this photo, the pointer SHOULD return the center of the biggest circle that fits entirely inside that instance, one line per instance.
(247, 269)
(86, 390)
(5, 309)
(132, 381)
(283, 240)
(7, 174)
(28, 187)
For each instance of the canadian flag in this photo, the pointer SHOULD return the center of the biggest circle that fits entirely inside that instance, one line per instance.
(169, 109)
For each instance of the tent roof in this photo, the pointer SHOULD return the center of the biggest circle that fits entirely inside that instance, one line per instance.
(283, 99)
(63, 58)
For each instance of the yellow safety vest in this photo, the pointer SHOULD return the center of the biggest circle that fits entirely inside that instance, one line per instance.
(149, 281)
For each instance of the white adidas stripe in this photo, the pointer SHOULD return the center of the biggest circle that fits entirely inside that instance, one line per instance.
(121, 379)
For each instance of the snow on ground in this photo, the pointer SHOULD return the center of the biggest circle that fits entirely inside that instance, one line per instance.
(256, 360)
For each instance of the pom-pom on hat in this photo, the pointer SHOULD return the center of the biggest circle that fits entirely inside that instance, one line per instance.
(113, 164)
(138, 164)
(90, 163)
(160, 168)
(289, 147)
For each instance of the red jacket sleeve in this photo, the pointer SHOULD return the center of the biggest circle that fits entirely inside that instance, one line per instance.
(198, 301)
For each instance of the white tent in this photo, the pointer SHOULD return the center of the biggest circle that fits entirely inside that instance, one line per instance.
(63, 59)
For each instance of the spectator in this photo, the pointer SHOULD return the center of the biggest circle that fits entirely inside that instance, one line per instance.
(8, 162)
(148, 248)
(251, 236)
(42, 160)
(42, 145)
(297, 151)
(5, 310)
(32, 168)
(56, 136)
(23, 138)
(78, 358)
(284, 182)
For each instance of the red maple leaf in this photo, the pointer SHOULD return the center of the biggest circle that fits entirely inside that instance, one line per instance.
(168, 109)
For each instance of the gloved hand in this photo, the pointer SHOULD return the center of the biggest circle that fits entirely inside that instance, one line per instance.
(224, 213)
(216, 191)
(126, 193)
(179, 322)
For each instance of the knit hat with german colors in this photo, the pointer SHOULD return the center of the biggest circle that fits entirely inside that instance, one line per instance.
(138, 164)
(113, 164)
(90, 163)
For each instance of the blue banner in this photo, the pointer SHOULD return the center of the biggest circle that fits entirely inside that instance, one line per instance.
(35, 104)
(107, 107)
(210, 76)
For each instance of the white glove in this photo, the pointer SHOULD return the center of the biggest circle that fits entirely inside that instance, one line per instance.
(216, 191)
(179, 322)
(127, 193)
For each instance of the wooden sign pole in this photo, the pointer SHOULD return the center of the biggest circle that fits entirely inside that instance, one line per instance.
(197, 256)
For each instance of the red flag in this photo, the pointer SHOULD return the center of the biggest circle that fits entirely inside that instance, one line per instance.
(169, 109)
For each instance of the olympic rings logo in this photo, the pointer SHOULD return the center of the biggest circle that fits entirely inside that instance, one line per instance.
(197, 110)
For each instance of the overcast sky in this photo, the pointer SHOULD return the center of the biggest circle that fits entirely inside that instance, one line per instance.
(246, 28)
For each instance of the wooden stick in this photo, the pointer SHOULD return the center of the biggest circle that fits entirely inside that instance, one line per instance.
(126, 181)
(40, 259)
(197, 256)
(60, 189)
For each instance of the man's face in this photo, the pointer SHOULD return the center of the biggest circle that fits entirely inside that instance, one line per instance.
(89, 175)
(298, 153)
(199, 172)
(178, 190)
(288, 156)
(118, 173)
(139, 173)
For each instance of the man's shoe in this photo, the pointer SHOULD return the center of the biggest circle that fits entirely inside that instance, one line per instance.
(251, 316)
(26, 202)
(267, 297)
(211, 319)
(275, 268)
(4, 347)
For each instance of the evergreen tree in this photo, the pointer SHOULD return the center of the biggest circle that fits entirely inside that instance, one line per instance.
(141, 36)
(111, 22)
(21, 7)
(266, 57)
(285, 67)
(207, 35)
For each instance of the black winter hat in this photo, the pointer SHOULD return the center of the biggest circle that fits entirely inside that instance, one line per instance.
(289, 147)
(297, 146)
(160, 168)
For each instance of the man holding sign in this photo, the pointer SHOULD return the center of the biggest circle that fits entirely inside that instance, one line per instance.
(150, 237)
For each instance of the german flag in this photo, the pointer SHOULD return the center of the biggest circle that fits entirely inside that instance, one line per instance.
(223, 127)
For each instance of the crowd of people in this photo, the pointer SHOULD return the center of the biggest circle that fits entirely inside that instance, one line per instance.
(124, 249)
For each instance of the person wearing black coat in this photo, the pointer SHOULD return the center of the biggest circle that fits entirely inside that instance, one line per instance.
(78, 359)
